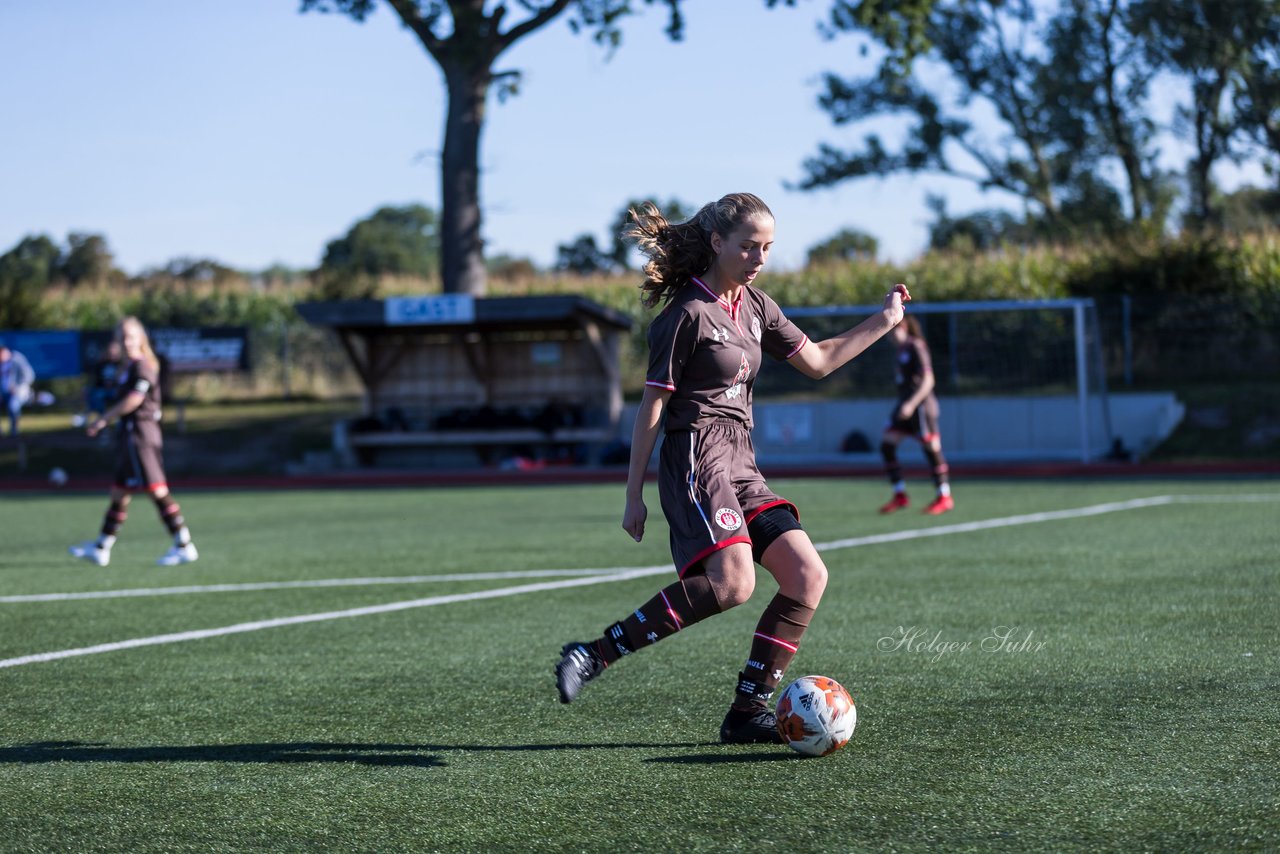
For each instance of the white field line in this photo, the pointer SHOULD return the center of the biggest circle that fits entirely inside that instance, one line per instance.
(289, 585)
(626, 574)
(201, 634)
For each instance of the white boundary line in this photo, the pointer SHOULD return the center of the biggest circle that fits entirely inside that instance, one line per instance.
(624, 575)
(201, 634)
(290, 585)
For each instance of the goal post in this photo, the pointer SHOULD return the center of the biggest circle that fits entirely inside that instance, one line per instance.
(1047, 352)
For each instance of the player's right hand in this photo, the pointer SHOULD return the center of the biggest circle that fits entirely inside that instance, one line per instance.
(633, 519)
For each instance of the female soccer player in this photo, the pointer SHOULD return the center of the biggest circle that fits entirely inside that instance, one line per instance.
(915, 415)
(139, 462)
(705, 350)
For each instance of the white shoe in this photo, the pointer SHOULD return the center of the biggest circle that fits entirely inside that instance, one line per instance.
(179, 555)
(92, 552)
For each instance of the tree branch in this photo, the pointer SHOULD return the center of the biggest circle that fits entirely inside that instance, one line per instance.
(411, 14)
(543, 16)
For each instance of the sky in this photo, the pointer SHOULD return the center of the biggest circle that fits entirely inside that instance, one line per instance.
(245, 132)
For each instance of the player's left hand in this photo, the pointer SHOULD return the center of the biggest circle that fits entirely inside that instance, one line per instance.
(893, 302)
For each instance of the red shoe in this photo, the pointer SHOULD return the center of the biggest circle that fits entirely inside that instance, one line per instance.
(897, 502)
(941, 504)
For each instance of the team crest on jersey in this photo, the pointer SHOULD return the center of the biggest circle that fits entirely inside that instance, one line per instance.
(755, 328)
(744, 374)
(728, 518)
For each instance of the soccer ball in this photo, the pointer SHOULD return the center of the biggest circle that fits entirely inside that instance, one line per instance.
(58, 476)
(816, 715)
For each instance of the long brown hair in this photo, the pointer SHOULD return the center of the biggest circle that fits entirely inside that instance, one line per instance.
(148, 354)
(913, 328)
(679, 251)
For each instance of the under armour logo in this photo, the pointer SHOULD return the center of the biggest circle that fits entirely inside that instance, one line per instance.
(777, 674)
(718, 334)
(652, 637)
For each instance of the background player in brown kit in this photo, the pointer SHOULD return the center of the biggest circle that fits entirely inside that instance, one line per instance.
(916, 416)
(705, 349)
(139, 462)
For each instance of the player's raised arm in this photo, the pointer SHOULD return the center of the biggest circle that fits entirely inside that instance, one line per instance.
(820, 358)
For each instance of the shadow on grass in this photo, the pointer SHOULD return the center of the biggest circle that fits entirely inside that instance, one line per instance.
(390, 755)
(723, 758)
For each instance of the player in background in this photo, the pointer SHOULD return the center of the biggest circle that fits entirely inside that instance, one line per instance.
(16, 379)
(706, 348)
(139, 459)
(916, 416)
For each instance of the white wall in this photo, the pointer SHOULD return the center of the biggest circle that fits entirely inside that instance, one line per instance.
(973, 428)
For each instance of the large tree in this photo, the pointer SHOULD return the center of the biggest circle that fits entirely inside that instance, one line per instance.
(1069, 90)
(465, 38)
(88, 259)
(988, 48)
(1097, 84)
(1214, 46)
(25, 272)
(398, 241)
(1258, 102)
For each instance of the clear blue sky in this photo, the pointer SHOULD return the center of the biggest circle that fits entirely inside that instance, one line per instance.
(244, 131)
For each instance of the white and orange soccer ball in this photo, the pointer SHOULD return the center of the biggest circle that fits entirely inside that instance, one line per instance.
(816, 715)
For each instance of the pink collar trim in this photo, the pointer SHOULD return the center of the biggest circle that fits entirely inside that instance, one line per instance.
(731, 307)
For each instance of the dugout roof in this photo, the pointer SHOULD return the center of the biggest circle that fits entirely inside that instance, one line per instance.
(490, 314)
(432, 357)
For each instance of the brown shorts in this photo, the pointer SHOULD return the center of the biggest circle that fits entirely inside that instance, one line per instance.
(139, 457)
(711, 489)
(923, 423)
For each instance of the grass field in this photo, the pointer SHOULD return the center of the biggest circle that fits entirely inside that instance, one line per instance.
(1132, 706)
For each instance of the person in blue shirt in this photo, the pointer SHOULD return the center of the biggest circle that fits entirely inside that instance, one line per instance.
(16, 379)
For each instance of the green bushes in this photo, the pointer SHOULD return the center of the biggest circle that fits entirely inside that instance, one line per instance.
(1245, 271)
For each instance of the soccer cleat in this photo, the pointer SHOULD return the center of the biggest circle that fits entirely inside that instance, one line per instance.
(179, 555)
(90, 551)
(756, 725)
(897, 502)
(941, 504)
(578, 665)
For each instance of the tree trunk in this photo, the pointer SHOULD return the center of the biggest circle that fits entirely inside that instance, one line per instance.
(1120, 133)
(462, 267)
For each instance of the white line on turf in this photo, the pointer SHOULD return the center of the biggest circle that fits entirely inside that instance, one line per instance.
(1005, 522)
(626, 574)
(238, 628)
(288, 585)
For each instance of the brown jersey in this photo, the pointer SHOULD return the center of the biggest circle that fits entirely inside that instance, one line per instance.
(913, 366)
(143, 379)
(140, 459)
(707, 352)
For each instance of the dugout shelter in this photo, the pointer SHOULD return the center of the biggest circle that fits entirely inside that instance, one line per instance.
(460, 380)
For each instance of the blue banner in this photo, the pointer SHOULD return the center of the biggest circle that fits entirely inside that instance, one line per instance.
(52, 353)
